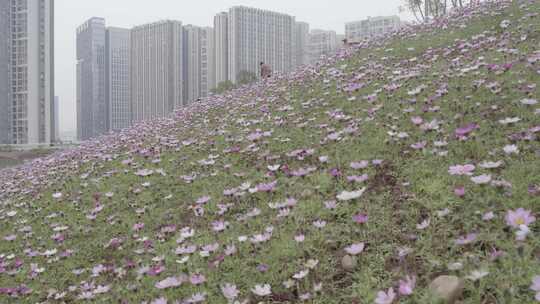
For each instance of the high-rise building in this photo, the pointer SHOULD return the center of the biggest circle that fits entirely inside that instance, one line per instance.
(156, 69)
(255, 36)
(27, 71)
(56, 118)
(320, 43)
(117, 55)
(301, 39)
(5, 73)
(221, 46)
(358, 30)
(92, 105)
(192, 41)
(199, 75)
(208, 61)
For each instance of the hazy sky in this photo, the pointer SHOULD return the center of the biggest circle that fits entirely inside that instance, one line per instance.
(69, 14)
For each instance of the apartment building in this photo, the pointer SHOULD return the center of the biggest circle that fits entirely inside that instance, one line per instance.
(118, 94)
(320, 43)
(301, 40)
(92, 105)
(256, 35)
(371, 26)
(157, 80)
(27, 72)
(221, 47)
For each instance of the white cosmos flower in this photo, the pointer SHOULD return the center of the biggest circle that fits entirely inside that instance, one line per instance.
(347, 196)
(262, 290)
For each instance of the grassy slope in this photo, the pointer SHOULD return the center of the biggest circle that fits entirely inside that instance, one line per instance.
(409, 187)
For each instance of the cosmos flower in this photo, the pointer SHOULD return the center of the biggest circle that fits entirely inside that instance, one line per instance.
(355, 249)
(467, 239)
(347, 196)
(262, 290)
(170, 282)
(229, 291)
(461, 169)
(520, 216)
(407, 285)
(360, 218)
(481, 179)
(385, 297)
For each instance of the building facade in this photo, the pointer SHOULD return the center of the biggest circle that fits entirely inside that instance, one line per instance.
(92, 105)
(208, 61)
(27, 72)
(156, 70)
(255, 36)
(199, 71)
(117, 56)
(5, 73)
(192, 41)
(301, 39)
(320, 43)
(371, 26)
(57, 118)
(221, 47)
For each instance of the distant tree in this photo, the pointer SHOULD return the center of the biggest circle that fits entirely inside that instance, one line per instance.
(246, 77)
(425, 10)
(223, 86)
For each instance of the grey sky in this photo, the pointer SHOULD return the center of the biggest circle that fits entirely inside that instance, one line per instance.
(322, 14)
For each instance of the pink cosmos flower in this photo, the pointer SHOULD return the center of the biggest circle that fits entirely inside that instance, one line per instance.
(359, 165)
(488, 216)
(198, 297)
(330, 205)
(138, 226)
(360, 218)
(385, 297)
(417, 120)
(419, 145)
(467, 239)
(515, 218)
(461, 169)
(357, 179)
(406, 286)
(459, 191)
(230, 292)
(197, 279)
(220, 225)
(355, 249)
(463, 131)
(267, 187)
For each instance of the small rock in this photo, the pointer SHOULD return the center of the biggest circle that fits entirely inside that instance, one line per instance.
(349, 263)
(447, 288)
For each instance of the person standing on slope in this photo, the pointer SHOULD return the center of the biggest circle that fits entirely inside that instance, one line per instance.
(266, 70)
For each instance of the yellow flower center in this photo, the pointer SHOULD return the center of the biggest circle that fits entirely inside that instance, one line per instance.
(520, 221)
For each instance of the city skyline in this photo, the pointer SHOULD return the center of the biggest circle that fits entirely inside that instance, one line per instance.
(201, 15)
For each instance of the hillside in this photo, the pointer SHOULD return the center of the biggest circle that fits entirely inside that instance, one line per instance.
(358, 180)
